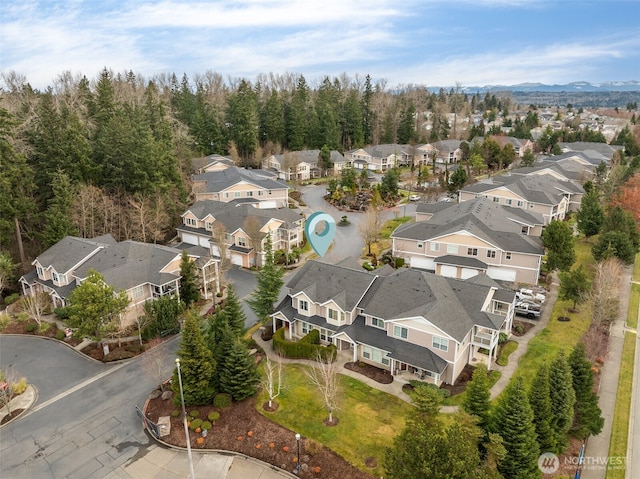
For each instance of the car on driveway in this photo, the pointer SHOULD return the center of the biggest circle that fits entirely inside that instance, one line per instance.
(530, 310)
(414, 198)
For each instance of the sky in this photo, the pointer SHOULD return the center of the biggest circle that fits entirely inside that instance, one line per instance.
(420, 42)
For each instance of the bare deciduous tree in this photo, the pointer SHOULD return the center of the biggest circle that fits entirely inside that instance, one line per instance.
(324, 376)
(251, 227)
(219, 234)
(154, 361)
(604, 298)
(272, 381)
(36, 306)
(370, 227)
(11, 385)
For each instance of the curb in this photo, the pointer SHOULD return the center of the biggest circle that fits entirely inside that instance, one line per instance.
(34, 391)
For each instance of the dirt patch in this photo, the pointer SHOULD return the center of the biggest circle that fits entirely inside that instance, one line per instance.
(460, 385)
(520, 328)
(15, 413)
(241, 428)
(377, 374)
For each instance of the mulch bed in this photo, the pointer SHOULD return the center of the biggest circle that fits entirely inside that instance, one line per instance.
(526, 326)
(377, 374)
(241, 428)
(15, 413)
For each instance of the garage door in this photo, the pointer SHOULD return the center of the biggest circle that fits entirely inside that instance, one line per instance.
(501, 274)
(190, 238)
(204, 242)
(469, 273)
(422, 263)
(448, 271)
(267, 204)
(236, 259)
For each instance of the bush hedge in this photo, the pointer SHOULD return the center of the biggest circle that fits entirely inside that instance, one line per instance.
(30, 327)
(213, 416)
(12, 298)
(222, 400)
(206, 425)
(304, 348)
(195, 424)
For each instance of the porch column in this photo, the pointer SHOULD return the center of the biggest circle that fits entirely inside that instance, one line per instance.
(355, 353)
(204, 281)
(290, 330)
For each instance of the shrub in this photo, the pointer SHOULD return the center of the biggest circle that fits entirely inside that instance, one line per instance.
(213, 416)
(503, 338)
(19, 387)
(12, 298)
(194, 414)
(518, 328)
(222, 400)
(299, 349)
(133, 348)
(61, 313)
(60, 335)
(206, 425)
(5, 319)
(312, 447)
(23, 317)
(313, 337)
(399, 262)
(195, 424)
(368, 266)
(175, 413)
(445, 393)
(30, 327)
(118, 354)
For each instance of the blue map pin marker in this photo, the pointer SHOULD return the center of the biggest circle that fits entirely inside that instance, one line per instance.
(320, 242)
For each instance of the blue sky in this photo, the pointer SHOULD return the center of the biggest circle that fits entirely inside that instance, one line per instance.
(428, 42)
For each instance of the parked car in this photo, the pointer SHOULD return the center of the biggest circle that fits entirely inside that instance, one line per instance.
(414, 198)
(530, 310)
(530, 295)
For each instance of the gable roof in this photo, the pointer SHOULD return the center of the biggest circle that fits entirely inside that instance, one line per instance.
(496, 224)
(572, 166)
(216, 181)
(323, 282)
(71, 250)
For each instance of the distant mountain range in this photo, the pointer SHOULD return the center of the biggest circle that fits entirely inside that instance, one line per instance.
(578, 87)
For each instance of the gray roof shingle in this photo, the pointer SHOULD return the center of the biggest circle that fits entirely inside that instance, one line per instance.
(216, 181)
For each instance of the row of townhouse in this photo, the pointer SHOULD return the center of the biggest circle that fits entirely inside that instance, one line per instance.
(408, 322)
(304, 165)
(239, 229)
(144, 271)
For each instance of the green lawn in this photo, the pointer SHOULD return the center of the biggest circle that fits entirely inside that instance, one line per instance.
(392, 224)
(636, 269)
(620, 427)
(558, 335)
(634, 302)
(506, 350)
(369, 419)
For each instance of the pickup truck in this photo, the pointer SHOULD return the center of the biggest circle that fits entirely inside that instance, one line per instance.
(531, 311)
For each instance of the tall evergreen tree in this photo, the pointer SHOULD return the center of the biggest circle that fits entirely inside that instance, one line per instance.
(57, 218)
(563, 399)
(234, 315)
(189, 289)
(242, 117)
(297, 114)
(368, 115)
(590, 216)
(197, 365)
(588, 420)
(574, 285)
(477, 398)
(540, 400)
(269, 284)
(513, 420)
(406, 126)
(352, 129)
(238, 372)
(272, 120)
(557, 238)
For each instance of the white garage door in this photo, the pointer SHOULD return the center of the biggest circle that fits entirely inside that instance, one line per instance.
(236, 259)
(204, 242)
(501, 274)
(469, 273)
(190, 238)
(448, 271)
(267, 204)
(422, 263)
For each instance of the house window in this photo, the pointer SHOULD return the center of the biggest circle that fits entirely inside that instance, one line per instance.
(306, 327)
(260, 192)
(249, 193)
(507, 255)
(452, 248)
(269, 192)
(226, 195)
(420, 245)
(191, 222)
(241, 242)
(435, 246)
(227, 237)
(472, 251)
(400, 332)
(334, 314)
(375, 355)
(137, 292)
(55, 277)
(303, 305)
(40, 272)
(440, 343)
(520, 203)
(531, 205)
(378, 323)
(208, 225)
(491, 253)
(508, 201)
(524, 230)
(236, 194)
(496, 199)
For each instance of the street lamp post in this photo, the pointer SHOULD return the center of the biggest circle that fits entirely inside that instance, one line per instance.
(297, 469)
(184, 419)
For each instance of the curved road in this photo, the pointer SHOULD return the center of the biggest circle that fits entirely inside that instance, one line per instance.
(84, 422)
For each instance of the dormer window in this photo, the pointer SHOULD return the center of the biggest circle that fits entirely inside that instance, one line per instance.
(303, 305)
(40, 271)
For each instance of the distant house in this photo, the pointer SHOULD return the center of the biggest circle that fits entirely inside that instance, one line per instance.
(411, 323)
(235, 183)
(574, 167)
(302, 165)
(448, 151)
(144, 271)
(477, 237)
(211, 163)
(380, 157)
(542, 193)
(242, 223)
(595, 152)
